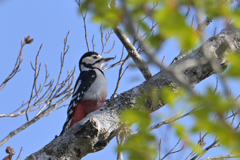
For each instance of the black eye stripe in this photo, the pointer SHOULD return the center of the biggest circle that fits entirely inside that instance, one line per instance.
(88, 65)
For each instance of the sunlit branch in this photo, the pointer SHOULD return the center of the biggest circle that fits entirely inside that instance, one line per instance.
(16, 67)
(141, 64)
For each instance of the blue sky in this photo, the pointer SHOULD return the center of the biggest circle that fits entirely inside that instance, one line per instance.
(48, 22)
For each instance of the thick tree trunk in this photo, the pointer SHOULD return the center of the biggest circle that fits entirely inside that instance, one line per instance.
(95, 131)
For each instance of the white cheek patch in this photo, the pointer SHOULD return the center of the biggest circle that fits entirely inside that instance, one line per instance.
(88, 60)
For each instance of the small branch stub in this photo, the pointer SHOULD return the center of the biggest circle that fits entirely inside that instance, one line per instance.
(27, 40)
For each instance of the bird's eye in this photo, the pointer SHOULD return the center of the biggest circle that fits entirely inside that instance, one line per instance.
(95, 57)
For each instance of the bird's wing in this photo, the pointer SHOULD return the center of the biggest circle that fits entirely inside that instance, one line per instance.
(83, 83)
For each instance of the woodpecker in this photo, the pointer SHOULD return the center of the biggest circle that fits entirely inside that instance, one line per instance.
(90, 90)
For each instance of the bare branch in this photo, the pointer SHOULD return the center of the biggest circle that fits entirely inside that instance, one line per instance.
(63, 54)
(36, 74)
(171, 151)
(84, 16)
(107, 38)
(120, 75)
(222, 156)
(19, 155)
(151, 30)
(85, 29)
(141, 64)
(16, 67)
(35, 119)
(206, 149)
(159, 148)
(93, 44)
(47, 102)
(171, 120)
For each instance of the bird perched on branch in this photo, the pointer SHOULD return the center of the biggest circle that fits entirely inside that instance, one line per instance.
(90, 90)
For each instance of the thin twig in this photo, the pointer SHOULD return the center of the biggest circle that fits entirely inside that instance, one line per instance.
(107, 38)
(19, 155)
(85, 29)
(16, 67)
(121, 73)
(93, 44)
(171, 151)
(188, 11)
(175, 118)
(36, 74)
(206, 149)
(222, 157)
(159, 148)
(84, 23)
(36, 118)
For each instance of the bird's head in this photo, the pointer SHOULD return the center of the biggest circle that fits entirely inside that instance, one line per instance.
(92, 60)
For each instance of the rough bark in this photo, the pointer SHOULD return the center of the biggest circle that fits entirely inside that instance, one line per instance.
(95, 131)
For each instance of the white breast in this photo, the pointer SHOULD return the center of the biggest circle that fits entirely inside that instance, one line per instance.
(98, 89)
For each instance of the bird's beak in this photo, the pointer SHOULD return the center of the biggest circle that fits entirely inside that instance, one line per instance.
(107, 59)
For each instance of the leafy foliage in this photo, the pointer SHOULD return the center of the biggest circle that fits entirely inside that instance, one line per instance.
(234, 69)
(141, 146)
(156, 21)
(211, 117)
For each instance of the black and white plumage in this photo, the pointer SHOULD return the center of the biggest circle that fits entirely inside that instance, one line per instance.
(90, 89)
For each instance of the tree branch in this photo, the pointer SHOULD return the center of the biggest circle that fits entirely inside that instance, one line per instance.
(96, 130)
(141, 64)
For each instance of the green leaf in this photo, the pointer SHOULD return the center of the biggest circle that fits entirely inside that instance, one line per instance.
(168, 96)
(108, 17)
(213, 102)
(102, 12)
(210, 117)
(141, 146)
(134, 116)
(144, 26)
(213, 8)
(234, 68)
(155, 40)
(180, 129)
(236, 18)
(172, 23)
